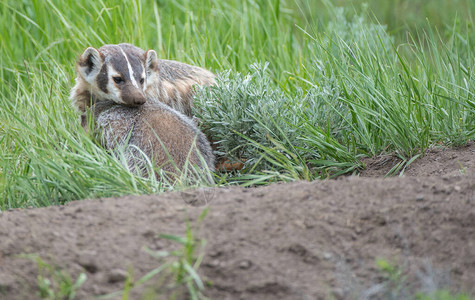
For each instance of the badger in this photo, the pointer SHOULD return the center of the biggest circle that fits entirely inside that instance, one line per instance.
(126, 75)
(141, 104)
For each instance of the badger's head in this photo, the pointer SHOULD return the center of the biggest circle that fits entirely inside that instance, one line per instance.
(112, 72)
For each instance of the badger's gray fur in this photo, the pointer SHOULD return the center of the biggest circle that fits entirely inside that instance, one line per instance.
(150, 129)
(127, 75)
(126, 89)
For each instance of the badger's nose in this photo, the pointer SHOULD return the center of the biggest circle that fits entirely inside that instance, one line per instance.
(139, 101)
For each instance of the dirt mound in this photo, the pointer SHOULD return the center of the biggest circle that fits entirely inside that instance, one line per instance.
(302, 240)
(437, 161)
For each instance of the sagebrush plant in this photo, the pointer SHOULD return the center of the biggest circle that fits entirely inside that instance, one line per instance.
(339, 83)
(250, 120)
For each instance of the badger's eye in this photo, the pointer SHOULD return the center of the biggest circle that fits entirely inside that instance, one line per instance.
(142, 80)
(118, 79)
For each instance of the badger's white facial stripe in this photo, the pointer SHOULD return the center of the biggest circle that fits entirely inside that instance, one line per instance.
(131, 72)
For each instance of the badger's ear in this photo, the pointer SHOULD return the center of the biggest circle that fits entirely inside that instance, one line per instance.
(89, 64)
(151, 62)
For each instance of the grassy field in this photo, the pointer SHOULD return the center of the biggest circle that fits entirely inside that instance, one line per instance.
(306, 88)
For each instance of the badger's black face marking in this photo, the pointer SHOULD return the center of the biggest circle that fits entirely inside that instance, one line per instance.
(102, 79)
(142, 80)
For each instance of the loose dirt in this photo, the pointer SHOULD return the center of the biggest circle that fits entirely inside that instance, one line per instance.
(300, 240)
(438, 161)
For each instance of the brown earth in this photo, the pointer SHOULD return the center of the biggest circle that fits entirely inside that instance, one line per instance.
(438, 161)
(301, 240)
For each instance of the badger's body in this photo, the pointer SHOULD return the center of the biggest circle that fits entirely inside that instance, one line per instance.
(168, 138)
(132, 95)
(103, 75)
(173, 83)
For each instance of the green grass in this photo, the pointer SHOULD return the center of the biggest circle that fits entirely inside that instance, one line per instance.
(391, 76)
(54, 282)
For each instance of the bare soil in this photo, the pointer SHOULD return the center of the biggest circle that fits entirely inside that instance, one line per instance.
(300, 240)
(438, 161)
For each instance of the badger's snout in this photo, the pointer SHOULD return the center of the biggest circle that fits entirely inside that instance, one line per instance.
(133, 96)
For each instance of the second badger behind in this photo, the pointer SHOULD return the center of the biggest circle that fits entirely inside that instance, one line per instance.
(153, 129)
